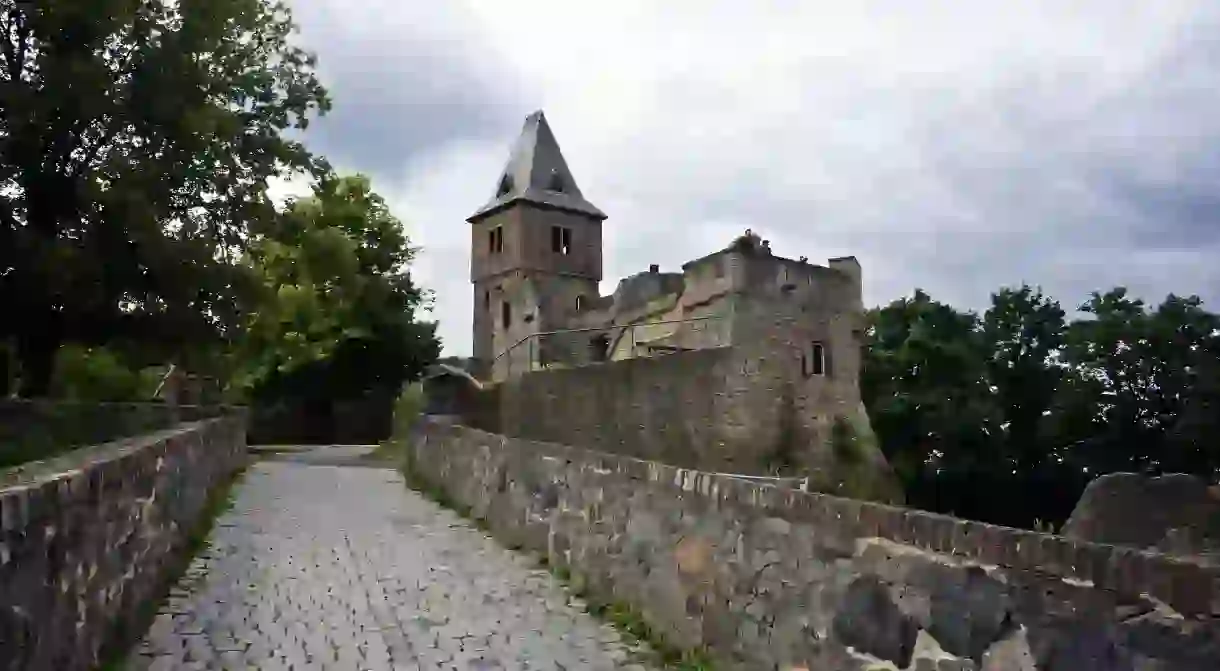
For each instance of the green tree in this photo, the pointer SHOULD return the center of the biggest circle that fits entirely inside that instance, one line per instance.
(1136, 370)
(1006, 418)
(1023, 331)
(136, 141)
(924, 384)
(338, 315)
(101, 374)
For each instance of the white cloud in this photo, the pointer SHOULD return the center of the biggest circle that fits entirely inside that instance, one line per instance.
(955, 146)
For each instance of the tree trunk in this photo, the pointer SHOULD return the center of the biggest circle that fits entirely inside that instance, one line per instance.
(36, 350)
(6, 371)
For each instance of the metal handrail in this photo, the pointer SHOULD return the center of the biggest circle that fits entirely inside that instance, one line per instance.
(600, 328)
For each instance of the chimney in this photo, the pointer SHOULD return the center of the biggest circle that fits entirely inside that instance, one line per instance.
(654, 268)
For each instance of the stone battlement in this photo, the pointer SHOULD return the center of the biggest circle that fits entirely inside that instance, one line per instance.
(769, 577)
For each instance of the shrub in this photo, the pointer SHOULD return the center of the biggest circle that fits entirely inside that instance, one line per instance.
(407, 409)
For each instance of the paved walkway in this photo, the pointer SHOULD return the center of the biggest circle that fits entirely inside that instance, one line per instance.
(342, 567)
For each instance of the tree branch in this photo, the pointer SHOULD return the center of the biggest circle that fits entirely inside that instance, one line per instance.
(16, 31)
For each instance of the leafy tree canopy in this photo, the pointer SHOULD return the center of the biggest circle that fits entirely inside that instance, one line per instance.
(337, 315)
(1005, 417)
(136, 141)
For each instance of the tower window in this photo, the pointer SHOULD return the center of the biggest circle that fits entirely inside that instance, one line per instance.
(506, 314)
(506, 185)
(486, 300)
(813, 362)
(580, 302)
(495, 240)
(555, 182)
(561, 240)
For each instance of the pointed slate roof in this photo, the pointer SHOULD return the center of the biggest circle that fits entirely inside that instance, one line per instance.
(537, 173)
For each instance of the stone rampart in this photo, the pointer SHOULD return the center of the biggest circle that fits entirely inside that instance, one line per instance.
(87, 538)
(670, 408)
(766, 577)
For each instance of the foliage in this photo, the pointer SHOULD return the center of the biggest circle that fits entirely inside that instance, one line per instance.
(337, 310)
(1005, 417)
(843, 441)
(853, 473)
(99, 374)
(923, 379)
(136, 141)
(408, 408)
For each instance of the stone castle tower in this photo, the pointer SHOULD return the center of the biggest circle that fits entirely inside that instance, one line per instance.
(536, 246)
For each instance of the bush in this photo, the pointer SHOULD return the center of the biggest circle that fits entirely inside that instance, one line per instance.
(99, 374)
(408, 408)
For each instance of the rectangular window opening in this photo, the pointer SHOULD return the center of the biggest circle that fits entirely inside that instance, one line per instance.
(561, 240)
(814, 362)
(506, 314)
(495, 240)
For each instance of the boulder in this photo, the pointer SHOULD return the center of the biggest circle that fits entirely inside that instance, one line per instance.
(1174, 513)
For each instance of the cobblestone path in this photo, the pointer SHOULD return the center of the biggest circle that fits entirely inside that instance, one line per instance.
(343, 567)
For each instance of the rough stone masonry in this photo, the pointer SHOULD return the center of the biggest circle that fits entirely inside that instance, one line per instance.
(768, 578)
(86, 539)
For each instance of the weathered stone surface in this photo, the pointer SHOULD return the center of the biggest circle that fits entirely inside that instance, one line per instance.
(868, 621)
(1079, 646)
(1178, 513)
(1011, 653)
(1193, 647)
(87, 537)
(969, 612)
(774, 578)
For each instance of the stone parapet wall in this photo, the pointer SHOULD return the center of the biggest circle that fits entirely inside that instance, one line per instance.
(88, 538)
(766, 577)
(38, 429)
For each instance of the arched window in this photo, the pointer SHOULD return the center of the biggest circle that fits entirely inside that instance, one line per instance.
(813, 361)
(580, 302)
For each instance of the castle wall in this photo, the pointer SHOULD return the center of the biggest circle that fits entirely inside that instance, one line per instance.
(770, 578)
(743, 397)
(658, 408)
(730, 409)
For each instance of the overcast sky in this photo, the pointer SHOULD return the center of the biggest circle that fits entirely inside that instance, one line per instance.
(957, 146)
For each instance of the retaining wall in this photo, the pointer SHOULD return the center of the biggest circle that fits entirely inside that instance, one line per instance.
(87, 539)
(771, 578)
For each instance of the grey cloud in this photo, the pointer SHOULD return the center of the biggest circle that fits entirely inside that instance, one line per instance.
(1048, 177)
(1045, 171)
(412, 79)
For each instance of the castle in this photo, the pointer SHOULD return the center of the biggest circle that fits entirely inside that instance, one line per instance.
(763, 348)
(536, 261)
